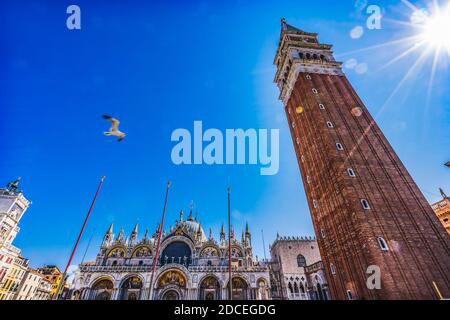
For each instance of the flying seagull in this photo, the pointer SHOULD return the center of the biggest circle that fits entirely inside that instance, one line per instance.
(114, 130)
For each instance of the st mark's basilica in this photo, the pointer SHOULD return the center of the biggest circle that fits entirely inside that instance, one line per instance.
(191, 266)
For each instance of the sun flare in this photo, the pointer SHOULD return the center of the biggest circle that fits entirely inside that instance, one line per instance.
(436, 29)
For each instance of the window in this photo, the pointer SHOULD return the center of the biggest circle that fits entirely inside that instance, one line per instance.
(322, 233)
(321, 106)
(351, 173)
(293, 125)
(303, 158)
(314, 204)
(329, 124)
(349, 295)
(339, 146)
(301, 261)
(308, 77)
(297, 140)
(314, 90)
(383, 244)
(332, 270)
(308, 179)
(365, 204)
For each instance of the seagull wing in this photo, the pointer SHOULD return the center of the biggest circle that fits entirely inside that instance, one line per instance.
(114, 122)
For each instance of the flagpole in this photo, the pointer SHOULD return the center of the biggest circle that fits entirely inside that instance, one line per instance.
(230, 281)
(156, 255)
(264, 245)
(61, 283)
(88, 245)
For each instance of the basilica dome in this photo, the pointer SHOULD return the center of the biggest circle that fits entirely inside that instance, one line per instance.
(192, 226)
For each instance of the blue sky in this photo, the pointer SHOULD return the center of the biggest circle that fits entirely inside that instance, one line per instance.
(158, 67)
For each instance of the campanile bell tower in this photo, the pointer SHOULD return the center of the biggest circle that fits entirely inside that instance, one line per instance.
(366, 208)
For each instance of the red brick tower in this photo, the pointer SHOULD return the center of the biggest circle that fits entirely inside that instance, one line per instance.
(366, 208)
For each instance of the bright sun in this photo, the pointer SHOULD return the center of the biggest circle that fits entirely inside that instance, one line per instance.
(436, 29)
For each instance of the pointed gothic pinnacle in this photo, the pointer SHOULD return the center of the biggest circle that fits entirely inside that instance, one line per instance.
(120, 235)
(146, 233)
(210, 233)
(181, 215)
(247, 230)
(110, 229)
(190, 218)
(135, 229)
(222, 230)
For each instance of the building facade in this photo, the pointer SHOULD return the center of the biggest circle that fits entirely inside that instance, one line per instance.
(13, 267)
(190, 266)
(13, 279)
(366, 208)
(442, 210)
(296, 270)
(33, 286)
(53, 275)
(43, 291)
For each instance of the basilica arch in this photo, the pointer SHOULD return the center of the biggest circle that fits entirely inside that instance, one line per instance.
(142, 251)
(240, 288)
(210, 288)
(209, 250)
(102, 289)
(171, 285)
(117, 252)
(177, 249)
(131, 288)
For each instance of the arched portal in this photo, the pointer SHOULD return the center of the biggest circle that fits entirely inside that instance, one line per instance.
(102, 289)
(240, 289)
(209, 289)
(171, 295)
(171, 285)
(131, 288)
